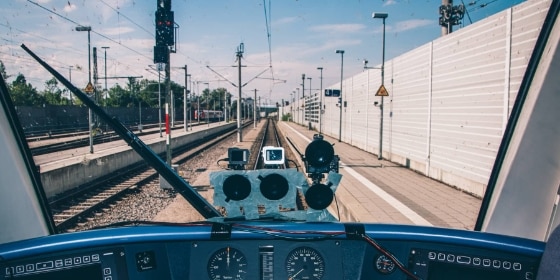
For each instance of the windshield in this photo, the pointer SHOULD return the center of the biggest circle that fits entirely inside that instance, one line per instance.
(414, 96)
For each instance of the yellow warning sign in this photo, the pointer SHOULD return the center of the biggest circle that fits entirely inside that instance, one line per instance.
(382, 91)
(89, 88)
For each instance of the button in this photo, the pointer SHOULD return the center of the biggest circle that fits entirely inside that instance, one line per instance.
(20, 269)
(86, 259)
(432, 255)
(29, 267)
(9, 271)
(464, 259)
(95, 258)
(529, 276)
(450, 258)
(77, 260)
(107, 278)
(44, 265)
(506, 265)
(58, 263)
(516, 266)
(67, 262)
(476, 261)
(497, 264)
(441, 256)
(486, 262)
(106, 271)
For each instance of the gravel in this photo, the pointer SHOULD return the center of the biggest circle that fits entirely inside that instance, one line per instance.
(144, 203)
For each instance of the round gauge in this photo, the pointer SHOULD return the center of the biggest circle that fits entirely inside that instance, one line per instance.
(305, 263)
(227, 263)
(384, 265)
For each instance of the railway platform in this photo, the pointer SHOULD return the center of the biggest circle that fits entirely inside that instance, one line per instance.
(371, 190)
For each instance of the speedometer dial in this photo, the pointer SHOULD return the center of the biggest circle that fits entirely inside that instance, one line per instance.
(305, 263)
(227, 263)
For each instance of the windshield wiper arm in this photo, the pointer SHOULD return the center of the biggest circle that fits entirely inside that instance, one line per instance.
(181, 186)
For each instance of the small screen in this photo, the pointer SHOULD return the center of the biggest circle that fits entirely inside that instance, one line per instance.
(441, 271)
(274, 154)
(237, 156)
(89, 272)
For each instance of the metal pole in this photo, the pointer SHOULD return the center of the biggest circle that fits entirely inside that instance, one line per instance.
(255, 110)
(341, 52)
(307, 106)
(239, 132)
(185, 124)
(321, 102)
(106, 90)
(303, 86)
(159, 98)
(207, 108)
(380, 155)
(298, 106)
(70, 76)
(167, 104)
(90, 114)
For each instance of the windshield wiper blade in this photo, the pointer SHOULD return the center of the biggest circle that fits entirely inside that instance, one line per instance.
(179, 184)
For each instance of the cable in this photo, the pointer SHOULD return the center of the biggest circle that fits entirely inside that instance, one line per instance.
(131, 21)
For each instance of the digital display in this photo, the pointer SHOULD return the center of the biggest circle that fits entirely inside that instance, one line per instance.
(88, 272)
(442, 271)
(274, 154)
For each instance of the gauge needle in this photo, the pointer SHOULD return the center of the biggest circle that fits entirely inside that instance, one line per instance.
(293, 277)
(227, 259)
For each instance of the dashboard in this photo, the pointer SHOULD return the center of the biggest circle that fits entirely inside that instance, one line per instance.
(266, 250)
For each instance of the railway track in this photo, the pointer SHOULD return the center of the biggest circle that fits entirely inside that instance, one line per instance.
(82, 140)
(75, 207)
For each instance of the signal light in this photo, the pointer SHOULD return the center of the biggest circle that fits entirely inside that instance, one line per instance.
(319, 196)
(236, 187)
(319, 156)
(274, 186)
(161, 54)
(165, 29)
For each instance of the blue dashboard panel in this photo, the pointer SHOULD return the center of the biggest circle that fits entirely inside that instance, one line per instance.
(268, 250)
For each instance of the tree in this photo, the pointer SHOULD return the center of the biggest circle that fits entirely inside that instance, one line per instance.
(53, 94)
(3, 71)
(24, 94)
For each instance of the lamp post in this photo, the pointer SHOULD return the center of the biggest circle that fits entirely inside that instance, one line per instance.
(189, 94)
(292, 105)
(106, 90)
(90, 115)
(321, 102)
(303, 86)
(381, 16)
(341, 52)
(298, 106)
(207, 109)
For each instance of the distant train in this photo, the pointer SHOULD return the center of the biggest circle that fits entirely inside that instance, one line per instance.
(209, 115)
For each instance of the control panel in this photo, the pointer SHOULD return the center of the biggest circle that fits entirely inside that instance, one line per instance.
(98, 264)
(451, 264)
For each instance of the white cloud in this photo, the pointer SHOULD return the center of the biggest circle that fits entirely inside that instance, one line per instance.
(117, 31)
(70, 7)
(339, 28)
(389, 3)
(286, 20)
(411, 24)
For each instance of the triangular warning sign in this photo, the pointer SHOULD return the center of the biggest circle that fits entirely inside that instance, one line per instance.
(89, 88)
(382, 91)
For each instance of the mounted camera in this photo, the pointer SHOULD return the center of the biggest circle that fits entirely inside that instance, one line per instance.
(237, 158)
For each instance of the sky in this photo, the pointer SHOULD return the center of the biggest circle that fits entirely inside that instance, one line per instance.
(282, 39)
